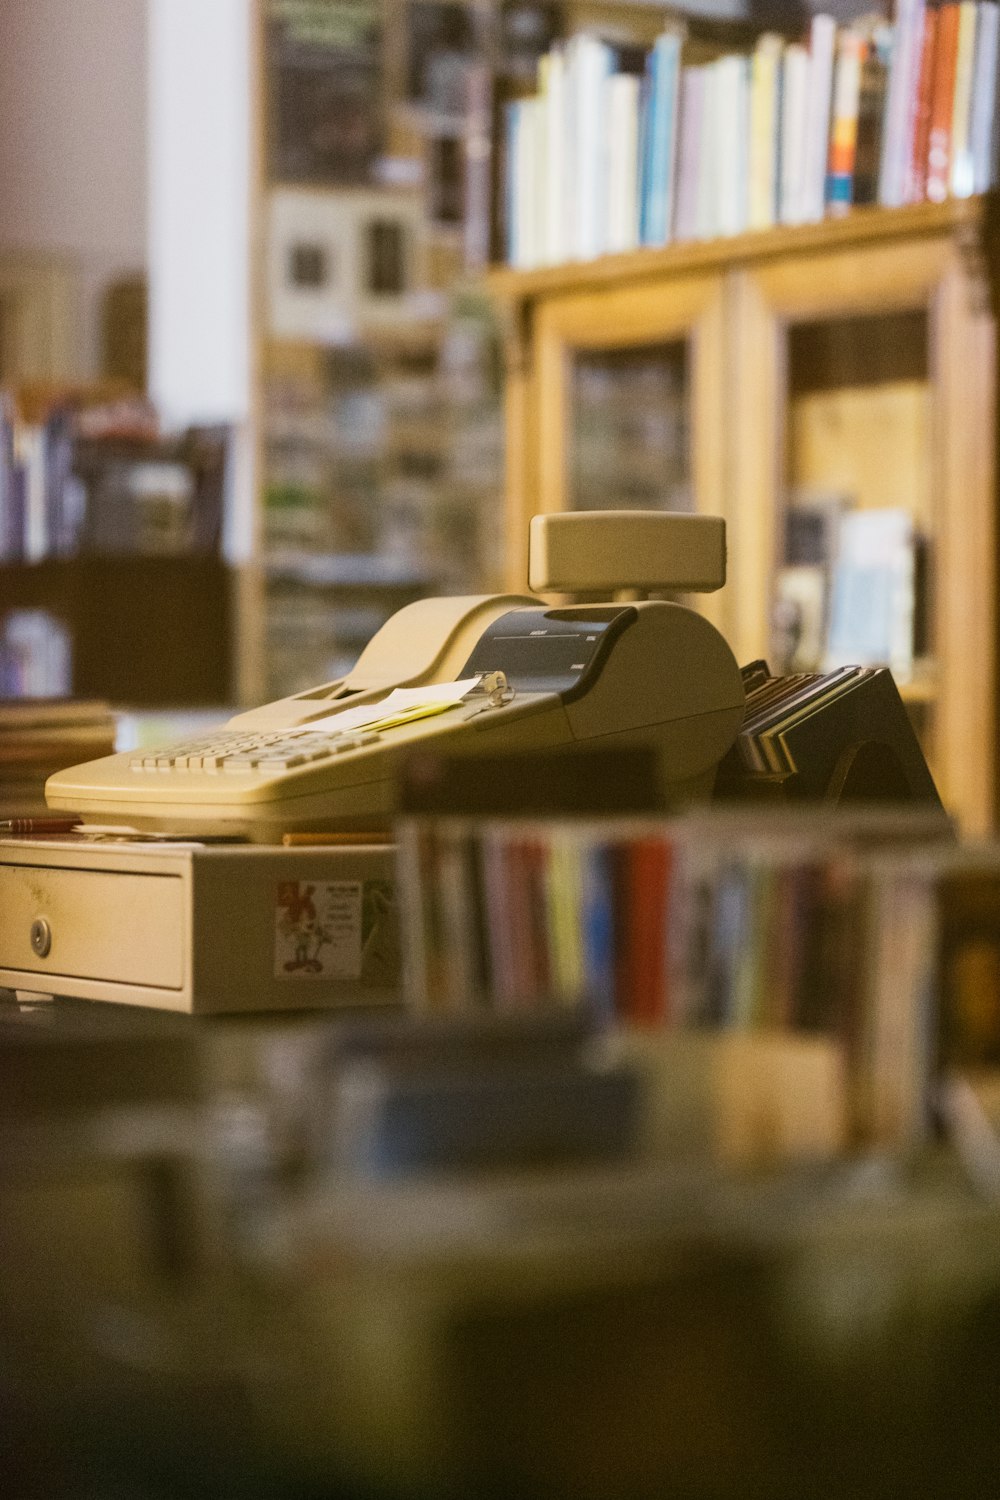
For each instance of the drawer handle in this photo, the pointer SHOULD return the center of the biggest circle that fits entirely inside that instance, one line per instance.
(41, 937)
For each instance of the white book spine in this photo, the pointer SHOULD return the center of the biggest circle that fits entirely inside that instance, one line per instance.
(984, 92)
(556, 249)
(692, 82)
(623, 161)
(795, 76)
(31, 454)
(730, 144)
(527, 181)
(822, 42)
(592, 67)
(706, 222)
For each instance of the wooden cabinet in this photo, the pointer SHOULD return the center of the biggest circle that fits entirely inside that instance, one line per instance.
(860, 352)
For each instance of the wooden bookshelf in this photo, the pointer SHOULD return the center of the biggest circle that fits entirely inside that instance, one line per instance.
(146, 631)
(739, 312)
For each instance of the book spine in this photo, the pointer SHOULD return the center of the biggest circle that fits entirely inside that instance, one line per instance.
(661, 142)
(822, 38)
(706, 223)
(692, 92)
(555, 165)
(593, 65)
(478, 167)
(942, 104)
(844, 131)
(916, 188)
(961, 169)
(793, 133)
(512, 186)
(984, 97)
(765, 67)
(731, 104)
(871, 113)
(622, 114)
(646, 895)
(901, 102)
(31, 457)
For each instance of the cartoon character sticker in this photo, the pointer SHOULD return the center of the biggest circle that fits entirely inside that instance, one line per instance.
(318, 929)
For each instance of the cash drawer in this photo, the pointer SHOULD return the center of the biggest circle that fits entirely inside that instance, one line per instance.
(93, 924)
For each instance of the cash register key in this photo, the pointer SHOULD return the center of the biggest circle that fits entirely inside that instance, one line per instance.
(355, 742)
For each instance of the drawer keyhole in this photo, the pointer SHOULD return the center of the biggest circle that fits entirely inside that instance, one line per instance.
(41, 937)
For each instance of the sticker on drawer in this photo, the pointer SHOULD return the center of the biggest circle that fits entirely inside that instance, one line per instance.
(317, 929)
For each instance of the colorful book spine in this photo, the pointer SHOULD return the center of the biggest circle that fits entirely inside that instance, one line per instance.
(819, 93)
(871, 114)
(601, 160)
(851, 49)
(916, 184)
(901, 101)
(942, 104)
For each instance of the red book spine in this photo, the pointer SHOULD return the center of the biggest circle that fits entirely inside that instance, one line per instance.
(646, 932)
(942, 98)
(917, 174)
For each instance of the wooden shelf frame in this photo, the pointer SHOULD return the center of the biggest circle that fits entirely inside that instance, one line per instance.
(734, 302)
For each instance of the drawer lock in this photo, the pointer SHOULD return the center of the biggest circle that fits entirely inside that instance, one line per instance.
(41, 937)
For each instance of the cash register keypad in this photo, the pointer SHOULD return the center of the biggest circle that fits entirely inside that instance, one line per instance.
(231, 750)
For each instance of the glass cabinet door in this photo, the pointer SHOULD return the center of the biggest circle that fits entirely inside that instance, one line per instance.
(865, 527)
(629, 445)
(624, 396)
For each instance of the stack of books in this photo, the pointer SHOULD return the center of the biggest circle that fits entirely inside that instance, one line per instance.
(602, 159)
(39, 736)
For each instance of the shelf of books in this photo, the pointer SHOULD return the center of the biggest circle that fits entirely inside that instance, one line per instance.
(762, 285)
(112, 583)
(858, 951)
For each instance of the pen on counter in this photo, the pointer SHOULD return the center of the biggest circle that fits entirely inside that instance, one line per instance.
(20, 827)
(303, 840)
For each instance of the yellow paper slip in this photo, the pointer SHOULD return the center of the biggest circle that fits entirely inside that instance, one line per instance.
(409, 716)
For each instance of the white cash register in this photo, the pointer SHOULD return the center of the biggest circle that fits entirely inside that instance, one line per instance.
(502, 673)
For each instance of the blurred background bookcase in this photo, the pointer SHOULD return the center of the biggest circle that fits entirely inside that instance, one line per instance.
(379, 411)
(849, 363)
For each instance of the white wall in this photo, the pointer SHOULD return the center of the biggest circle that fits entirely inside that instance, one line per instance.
(201, 61)
(73, 142)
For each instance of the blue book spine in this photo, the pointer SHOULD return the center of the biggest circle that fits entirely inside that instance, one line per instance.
(660, 154)
(599, 929)
(645, 149)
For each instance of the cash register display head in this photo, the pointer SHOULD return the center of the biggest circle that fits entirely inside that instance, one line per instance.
(626, 551)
